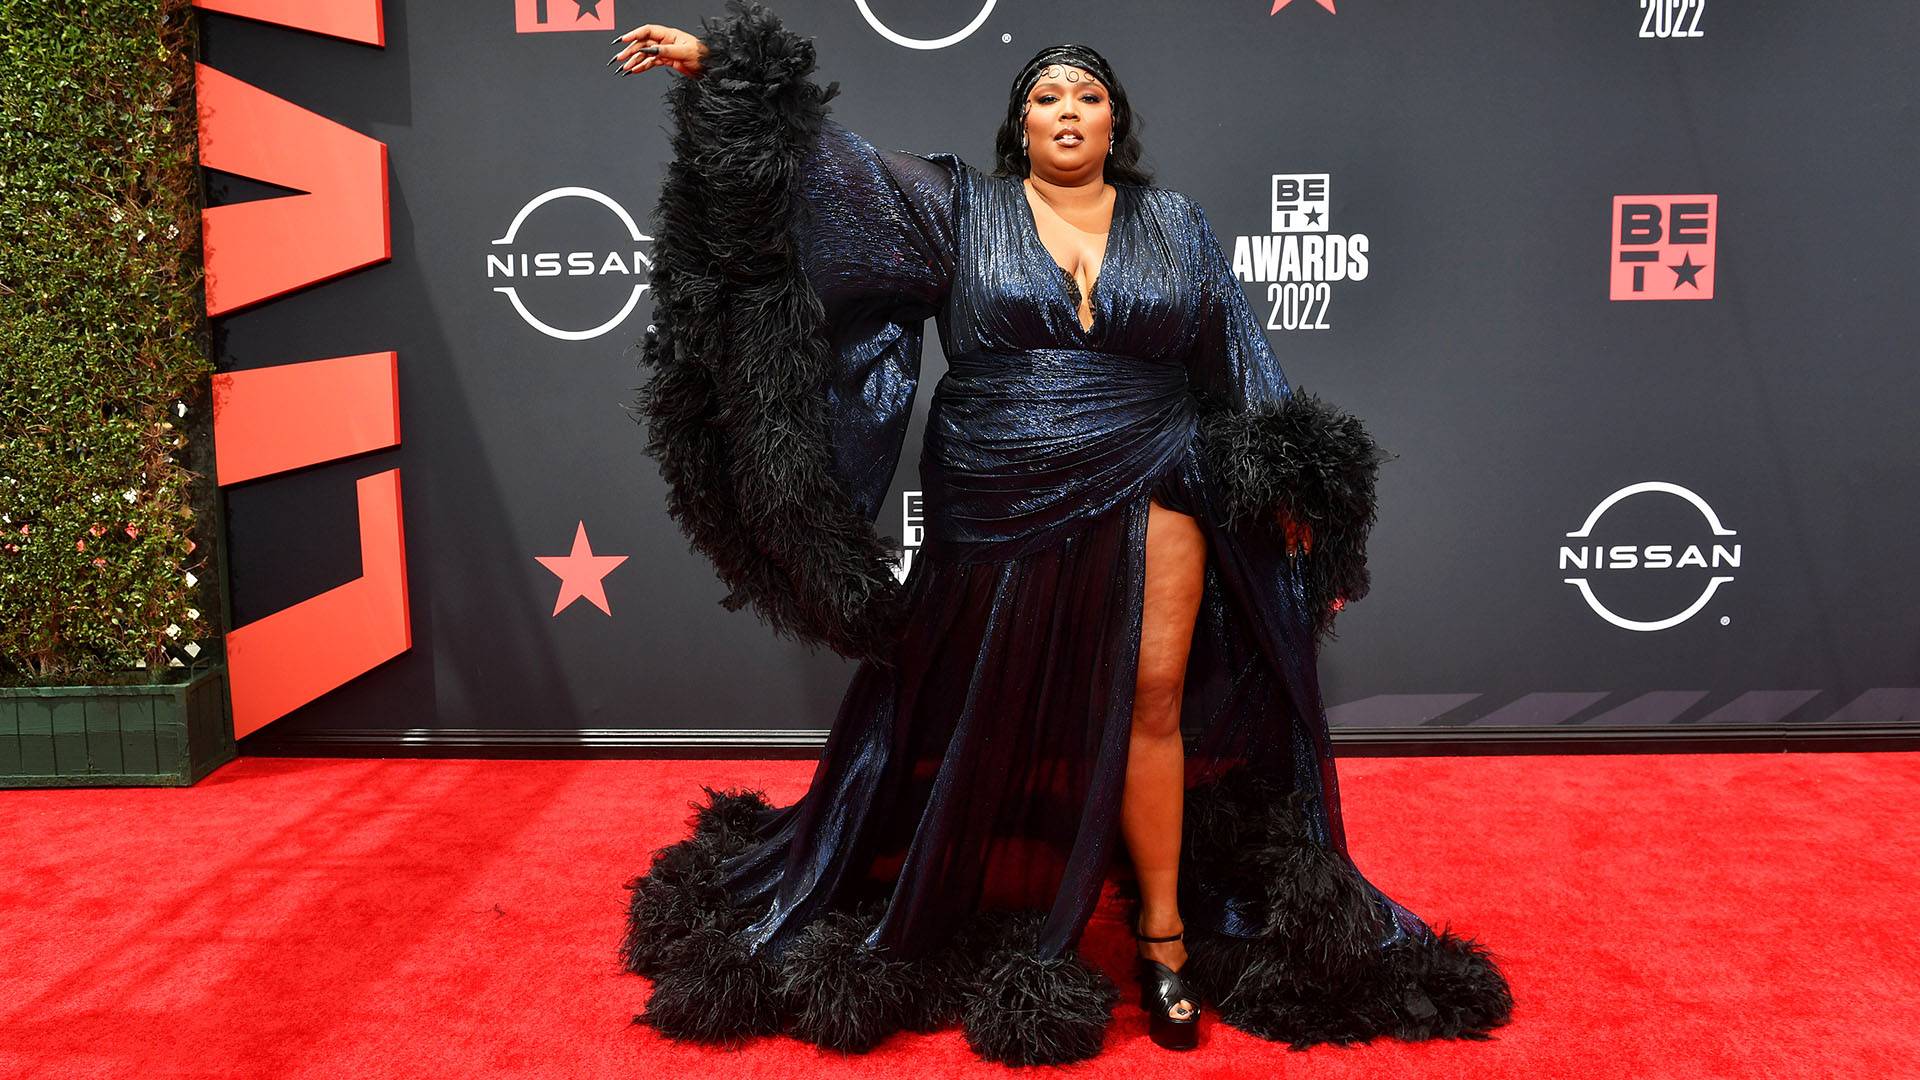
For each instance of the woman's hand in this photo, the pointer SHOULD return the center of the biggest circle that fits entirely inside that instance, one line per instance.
(1299, 536)
(653, 45)
(1299, 542)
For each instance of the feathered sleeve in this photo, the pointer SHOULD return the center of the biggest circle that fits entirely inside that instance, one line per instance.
(1274, 451)
(794, 267)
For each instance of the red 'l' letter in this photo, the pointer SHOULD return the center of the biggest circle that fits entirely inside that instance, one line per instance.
(281, 662)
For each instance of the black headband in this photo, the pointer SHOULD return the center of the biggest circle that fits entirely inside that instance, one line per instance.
(1076, 55)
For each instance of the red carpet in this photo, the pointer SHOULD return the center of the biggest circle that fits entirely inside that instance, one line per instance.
(1739, 915)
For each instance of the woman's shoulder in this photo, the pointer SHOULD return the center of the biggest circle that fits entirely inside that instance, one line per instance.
(954, 163)
(1170, 198)
(1172, 205)
(961, 176)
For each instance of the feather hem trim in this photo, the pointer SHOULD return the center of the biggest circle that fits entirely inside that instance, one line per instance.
(830, 987)
(1315, 971)
(1312, 974)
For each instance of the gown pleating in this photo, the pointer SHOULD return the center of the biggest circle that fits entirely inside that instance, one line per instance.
(964, 814)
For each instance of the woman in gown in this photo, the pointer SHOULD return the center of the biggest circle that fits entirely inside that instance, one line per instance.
(966, 809)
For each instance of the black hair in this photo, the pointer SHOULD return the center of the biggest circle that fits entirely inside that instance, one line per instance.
(1122, 166)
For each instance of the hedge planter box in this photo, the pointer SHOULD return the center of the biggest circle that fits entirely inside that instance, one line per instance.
(84, 736)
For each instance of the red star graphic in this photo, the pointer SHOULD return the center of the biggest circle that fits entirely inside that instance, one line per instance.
(580, 572)
(1278, 4)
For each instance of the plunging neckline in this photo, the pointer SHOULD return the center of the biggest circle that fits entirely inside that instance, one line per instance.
(1106, 252)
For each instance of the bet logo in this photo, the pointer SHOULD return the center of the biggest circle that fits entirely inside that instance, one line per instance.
(1663, 246)
(544, 16)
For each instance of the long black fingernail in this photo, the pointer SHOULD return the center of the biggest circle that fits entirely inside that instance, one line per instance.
(612, 60)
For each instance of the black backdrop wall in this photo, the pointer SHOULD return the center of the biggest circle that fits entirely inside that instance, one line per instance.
(1619, 285)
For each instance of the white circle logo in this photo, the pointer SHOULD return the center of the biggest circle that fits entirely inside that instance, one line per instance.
(522, 265)
(897, 38)
(1651, 557)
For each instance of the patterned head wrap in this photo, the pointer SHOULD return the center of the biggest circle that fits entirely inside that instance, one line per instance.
(1079, 56)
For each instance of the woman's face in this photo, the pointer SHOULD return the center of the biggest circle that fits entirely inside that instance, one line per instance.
(1069, 120)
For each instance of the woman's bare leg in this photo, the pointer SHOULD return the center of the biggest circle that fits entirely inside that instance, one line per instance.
(1155, 790)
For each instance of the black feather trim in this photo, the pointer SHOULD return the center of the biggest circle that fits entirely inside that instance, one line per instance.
(731, 819)
(739, 353)
(683, 931)
(714, 990)
(948, 975)
(1315, 971)
(829, 987)
(1025, 1010)
(681, 893)
(1308, 460)
(1462, 982)
(841, 993)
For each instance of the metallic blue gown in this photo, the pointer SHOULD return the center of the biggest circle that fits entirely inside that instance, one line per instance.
(965, 810)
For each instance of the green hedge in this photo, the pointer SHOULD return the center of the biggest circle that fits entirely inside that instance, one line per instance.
(104, 343)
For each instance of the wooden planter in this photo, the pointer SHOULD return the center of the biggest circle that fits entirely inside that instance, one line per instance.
(168, 734)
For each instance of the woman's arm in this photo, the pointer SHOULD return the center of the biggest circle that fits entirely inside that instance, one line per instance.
(1277, 453)
(794, 267)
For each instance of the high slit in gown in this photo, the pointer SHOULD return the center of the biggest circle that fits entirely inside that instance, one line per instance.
(964, 813)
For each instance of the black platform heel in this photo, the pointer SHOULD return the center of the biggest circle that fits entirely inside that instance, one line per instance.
(1161, 988)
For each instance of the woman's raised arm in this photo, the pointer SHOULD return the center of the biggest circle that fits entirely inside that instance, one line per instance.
(794, 267)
